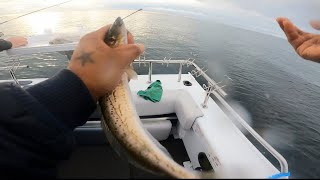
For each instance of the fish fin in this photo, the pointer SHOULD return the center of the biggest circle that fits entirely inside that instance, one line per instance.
(162, 148)
(120, 150)
(112, 140)
(131, 73)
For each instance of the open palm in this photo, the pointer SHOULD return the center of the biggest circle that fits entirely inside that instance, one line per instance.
(307, 45)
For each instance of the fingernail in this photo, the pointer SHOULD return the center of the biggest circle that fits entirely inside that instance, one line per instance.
(279, 19)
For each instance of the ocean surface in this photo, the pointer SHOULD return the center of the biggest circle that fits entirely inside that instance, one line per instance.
(276, 91)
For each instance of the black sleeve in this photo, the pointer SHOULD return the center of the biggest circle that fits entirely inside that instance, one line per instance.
(4, 45)
(36, 124)
(66, 97)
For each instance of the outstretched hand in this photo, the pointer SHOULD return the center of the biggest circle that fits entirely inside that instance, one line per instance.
(307, 45)
(18, 41)
(315, 24)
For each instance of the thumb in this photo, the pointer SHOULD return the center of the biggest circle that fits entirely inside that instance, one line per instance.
(127, 53)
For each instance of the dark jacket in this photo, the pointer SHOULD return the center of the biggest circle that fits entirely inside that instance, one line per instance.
(36, 124)
(4, 45)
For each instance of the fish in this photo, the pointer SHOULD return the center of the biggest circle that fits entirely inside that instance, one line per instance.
(124, 129)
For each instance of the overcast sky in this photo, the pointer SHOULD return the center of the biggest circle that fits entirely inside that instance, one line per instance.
(257, 15)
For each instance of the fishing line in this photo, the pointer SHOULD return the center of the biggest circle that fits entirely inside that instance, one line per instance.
(34, 12)
(132, 13)
(1, 34)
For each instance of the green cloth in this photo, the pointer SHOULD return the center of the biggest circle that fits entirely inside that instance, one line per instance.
(153, 93)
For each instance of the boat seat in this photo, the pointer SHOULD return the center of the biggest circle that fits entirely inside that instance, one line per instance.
(179, 102)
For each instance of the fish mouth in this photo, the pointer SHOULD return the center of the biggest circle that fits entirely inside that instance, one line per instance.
(114, 41)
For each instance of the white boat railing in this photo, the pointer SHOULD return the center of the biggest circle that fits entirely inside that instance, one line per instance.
(212, 87)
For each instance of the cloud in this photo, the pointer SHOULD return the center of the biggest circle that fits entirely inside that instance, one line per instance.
(260, 15)
(182, 12)
(248, 14)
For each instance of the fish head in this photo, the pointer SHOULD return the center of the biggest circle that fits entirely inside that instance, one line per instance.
(117, 34)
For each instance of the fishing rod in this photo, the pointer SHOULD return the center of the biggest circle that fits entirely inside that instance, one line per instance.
(132, 13)
(34, 12)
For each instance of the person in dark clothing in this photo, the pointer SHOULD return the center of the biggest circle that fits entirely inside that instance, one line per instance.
(37, 123)
(12, 43)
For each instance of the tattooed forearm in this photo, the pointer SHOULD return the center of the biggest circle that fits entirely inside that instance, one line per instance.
(85, 57)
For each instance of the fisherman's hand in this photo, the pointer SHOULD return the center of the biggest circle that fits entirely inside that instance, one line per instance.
(99, 66)
(315, 24)
(18, 41)
(307, 45)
